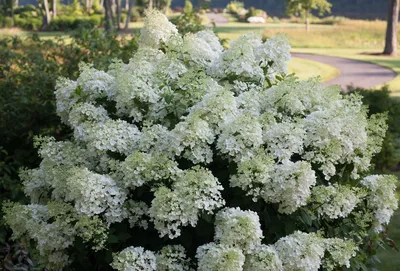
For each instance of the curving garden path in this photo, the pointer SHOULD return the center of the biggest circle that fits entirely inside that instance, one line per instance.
(353, 72)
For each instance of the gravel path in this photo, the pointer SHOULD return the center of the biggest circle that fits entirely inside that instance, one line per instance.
(353, 72)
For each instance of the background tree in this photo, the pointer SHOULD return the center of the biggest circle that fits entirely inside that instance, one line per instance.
(131, 3)
(391, 30)
(45, 12)
(54, 8)
(304, 8)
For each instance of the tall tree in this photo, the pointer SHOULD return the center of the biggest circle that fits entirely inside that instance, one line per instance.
(129, 15)
(304, 8)
(45, 12)
(108, 14)
(89, 4)
(54, 7)
(391, 30)
(118, 11)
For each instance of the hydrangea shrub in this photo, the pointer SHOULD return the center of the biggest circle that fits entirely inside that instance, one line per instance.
(196, 157)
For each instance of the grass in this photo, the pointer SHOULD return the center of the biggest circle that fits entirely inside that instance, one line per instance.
(347, 34)
(304, 68)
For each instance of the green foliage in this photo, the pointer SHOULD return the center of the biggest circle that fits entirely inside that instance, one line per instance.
(188, 23)
(188, 8)
(381, 102)
(28, 23)
(8, 22)
(76, 7)
(28, 72)
(97, 8)
(65, 22)
(253, 12)
(234, 6)
(15, 257)
(303, 7)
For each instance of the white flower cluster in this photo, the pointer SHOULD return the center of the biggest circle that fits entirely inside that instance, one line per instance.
(382, 199)
(238, 247)
(173, 258)
(263, 258)
(169, 258)
(238, 228)
(54, 228)
(305, 251)
(95, 194)
(134, 259)
(335, 200)
(214, 257)
(158, 141)
(194, 191)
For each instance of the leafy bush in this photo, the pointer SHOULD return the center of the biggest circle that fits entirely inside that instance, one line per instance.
(26, 9)
(72, 22)
(234, 6)
(205, 157)
(28, 22)
(188, 23)
(28, 72)
(188, 8)
(253, 12)
(7, 22)
(381, 102)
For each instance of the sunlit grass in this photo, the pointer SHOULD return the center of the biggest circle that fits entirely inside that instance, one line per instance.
(304, 69)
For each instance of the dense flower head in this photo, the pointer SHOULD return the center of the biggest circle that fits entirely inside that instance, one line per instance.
(382, 198)
(172, 258)
(192, 156)
(214, 257)
(300, 251)
(263, 258)
(335, 200)
(238, 228)
(194, 191)
(134, 259)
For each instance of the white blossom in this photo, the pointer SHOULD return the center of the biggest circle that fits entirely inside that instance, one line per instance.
(301, 251)
(238, 228)
(213, 257)
(134, 259)
(382, 198)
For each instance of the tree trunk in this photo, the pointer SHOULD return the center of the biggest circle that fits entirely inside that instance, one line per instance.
(47, 13)
(88, 6)
(129, 15)
(54, 8)
(118, 3)
(150, 4)
(126, 4)
(307, 21)
(391, 30)
(108, 14)
(12, 11)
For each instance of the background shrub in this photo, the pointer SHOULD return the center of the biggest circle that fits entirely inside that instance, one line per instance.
(380, 102)
(28, 72)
